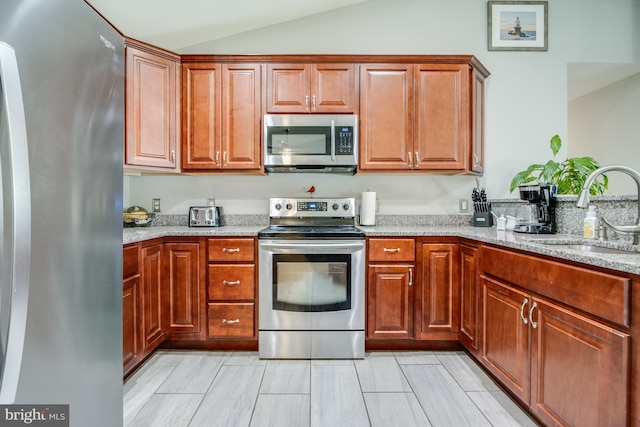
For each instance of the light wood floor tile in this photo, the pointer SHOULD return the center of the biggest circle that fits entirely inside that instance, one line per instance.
(231, 399)
(500, 410)
(416, 358)
(281, 410)
(167, 410)
(194, 374)
(395, 410)
(287, 376)
(442, 399)
(381, 374)
(139, 389)
(466, 373)
(336, 399)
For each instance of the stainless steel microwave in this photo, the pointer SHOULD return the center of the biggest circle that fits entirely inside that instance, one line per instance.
(310, 143)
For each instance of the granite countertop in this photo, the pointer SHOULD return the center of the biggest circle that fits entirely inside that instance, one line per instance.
(548, 244)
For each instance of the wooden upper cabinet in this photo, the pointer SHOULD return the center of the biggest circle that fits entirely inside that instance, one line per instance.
(152, 119)
(426, 116)
(441, 117)
(221, 116)
(311, 88)
(386, 116)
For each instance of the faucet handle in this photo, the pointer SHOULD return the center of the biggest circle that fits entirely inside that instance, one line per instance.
(602, 233)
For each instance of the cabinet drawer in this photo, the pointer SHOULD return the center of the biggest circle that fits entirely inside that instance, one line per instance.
(392, 249)
(232, 281)
(601, 294)
(231, 249)
(130, 261)
(231, 320)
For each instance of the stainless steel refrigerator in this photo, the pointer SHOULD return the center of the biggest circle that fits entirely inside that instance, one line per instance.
(61, 140)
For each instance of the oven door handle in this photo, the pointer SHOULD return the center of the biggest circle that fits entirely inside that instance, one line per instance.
(287, 245)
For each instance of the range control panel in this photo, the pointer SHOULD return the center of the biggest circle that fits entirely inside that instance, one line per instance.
(287, 207)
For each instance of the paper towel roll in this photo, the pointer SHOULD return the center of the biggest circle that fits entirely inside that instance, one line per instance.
(368, 211)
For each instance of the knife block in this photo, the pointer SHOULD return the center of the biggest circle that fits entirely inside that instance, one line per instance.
(482, 219)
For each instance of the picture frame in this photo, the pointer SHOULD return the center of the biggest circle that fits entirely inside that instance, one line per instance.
(517, 25)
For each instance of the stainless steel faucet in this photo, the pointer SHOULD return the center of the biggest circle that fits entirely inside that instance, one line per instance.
(583, 199)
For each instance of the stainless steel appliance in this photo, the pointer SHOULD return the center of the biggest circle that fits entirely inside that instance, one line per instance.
(204, 216)
(538, 215)
(311, 285)
(310, 143)
(61, 139)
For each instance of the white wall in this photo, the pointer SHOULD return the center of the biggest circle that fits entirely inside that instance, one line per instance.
(579, 31)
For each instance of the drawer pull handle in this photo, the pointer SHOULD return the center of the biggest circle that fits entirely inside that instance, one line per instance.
(524, 319)
(230, 250)
(237, 282)
(230, 322)
(395, 250)
(534, 325)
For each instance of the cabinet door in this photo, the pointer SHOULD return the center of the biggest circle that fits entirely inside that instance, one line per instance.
(438, 303)
(469, 294)
(580, 369)
(389, 301)
(386, 117)
(505, 336)
(288, 88)
(130, 321)
(241, 117)
(151, 297)
(182, 287)
(151, 104)
(201, 116)
(477, 123)
(441, 135)
(333, 88)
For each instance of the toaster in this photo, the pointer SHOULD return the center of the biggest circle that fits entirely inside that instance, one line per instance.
(204, 216)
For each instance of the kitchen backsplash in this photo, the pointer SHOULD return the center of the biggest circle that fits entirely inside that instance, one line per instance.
(616, 209)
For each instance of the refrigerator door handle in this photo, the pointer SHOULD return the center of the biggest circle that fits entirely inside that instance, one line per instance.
(16, 226)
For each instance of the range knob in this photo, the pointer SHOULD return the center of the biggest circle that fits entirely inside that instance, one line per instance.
(335, 206)
(289, 206)
(278, 206)
(346, 206)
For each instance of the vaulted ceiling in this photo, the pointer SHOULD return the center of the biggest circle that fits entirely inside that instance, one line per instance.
(175, 24)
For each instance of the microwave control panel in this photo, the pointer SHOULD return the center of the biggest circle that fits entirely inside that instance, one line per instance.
(344, 140)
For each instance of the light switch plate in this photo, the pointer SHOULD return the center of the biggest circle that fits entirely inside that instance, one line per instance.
(155, 205)
(463, 205)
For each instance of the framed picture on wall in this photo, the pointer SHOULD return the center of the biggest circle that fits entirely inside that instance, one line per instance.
(517, 25)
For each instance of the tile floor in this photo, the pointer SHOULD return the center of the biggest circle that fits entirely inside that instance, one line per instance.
(202, 388)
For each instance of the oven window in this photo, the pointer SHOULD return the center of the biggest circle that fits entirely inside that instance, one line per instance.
(300, 140)
(311, 282)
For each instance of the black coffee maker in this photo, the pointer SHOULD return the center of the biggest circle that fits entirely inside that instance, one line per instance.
(540, 210)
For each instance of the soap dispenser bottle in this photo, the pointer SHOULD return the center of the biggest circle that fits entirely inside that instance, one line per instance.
(590, 227)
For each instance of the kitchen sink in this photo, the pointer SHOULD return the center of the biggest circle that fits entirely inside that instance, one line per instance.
(594, 249)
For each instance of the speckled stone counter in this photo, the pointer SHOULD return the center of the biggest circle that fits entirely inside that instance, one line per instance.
(540, 244)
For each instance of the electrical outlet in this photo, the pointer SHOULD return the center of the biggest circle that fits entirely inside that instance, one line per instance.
(463, 205)
(211, 201)
(155, 205)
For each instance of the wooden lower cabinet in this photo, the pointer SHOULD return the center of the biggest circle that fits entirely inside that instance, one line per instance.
(569, 369)
(390, 301)
(231, 320)
(469, 296)
(151, 297)
(131, 307)
(438, 300)
(182, 283)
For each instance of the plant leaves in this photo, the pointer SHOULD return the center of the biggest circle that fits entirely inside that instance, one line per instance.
(555, 144)
(524, 176)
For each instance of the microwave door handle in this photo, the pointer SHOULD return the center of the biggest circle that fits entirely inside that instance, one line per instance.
(16, 194)
(333, 140)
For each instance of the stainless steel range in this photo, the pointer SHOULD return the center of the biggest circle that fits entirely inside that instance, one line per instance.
(311, 286)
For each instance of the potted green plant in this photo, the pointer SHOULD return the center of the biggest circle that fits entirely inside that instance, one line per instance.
(568, 175)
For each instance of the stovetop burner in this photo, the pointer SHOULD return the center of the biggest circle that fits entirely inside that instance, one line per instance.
(299, 218)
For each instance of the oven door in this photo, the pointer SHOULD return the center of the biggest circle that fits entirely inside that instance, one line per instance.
(311, 285)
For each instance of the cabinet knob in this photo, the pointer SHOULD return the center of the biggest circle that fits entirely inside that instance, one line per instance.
(230, 322)
(410, 276)
(393, 250)
(534, 325)
(417, 163)
(524, 319)
(217, 158)
(230, 250)
(237, 282)
(410, 161)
